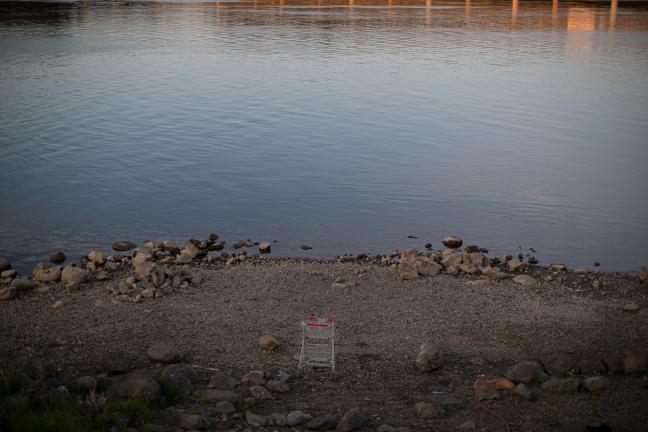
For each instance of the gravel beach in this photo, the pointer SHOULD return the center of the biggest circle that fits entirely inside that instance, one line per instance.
(481, 325)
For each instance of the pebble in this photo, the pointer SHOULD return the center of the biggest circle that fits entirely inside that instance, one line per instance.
(58, 304)
(579, 270)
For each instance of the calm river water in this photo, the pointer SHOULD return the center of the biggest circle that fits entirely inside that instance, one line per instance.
(346, 125)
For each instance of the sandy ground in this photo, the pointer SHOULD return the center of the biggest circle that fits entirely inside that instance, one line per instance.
(483, 327)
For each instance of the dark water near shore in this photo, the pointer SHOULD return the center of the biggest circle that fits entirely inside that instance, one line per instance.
(344, 125)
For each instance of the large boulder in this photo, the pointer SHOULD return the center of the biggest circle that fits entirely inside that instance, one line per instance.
(138, 384)
(426, 266)
(429, 357)
(73, 275)
(123, 246)
(406, 268)
(452, 259)
(188, 253)
(525, 280)
(46, 273)
(164, 353)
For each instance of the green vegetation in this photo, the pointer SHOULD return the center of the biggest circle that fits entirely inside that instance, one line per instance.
(35, 409)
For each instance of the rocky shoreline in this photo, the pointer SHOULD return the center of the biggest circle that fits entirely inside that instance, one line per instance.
(162, 337)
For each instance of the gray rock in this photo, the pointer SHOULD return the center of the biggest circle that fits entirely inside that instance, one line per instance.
(427, 267)
(643, 274)
(557, 364)
(168, 245)
(87, 383)
(353, 419)
(73, 275)
(255, 420)
(561, 385)
(452, 242)
(182, 377)
(295, 418)
(23, 284)
(268, 342)
(446, 402)
(323, 422)
(8, 293)
(592, 366)
(188, 253)
(136, 384)
(426, 410)
(526, 371)
(525, 280)
(163, 353)
(429, 357)
(636, 362)
(522, 391)
(8, 273)
(223, 381)
(122, 246)
(225, 407)
(493, 273)
(45, 273)
(260, 392)
(468, 426)
(278, 386)
(57, 304)
(96, 257)
(192, 422)
(254, 378)
(452, 260)
(514, 265)
(57, 257)
(596, 384)
(4, 264)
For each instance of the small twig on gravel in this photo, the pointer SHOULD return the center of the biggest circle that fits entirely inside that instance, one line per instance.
(502, 419)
